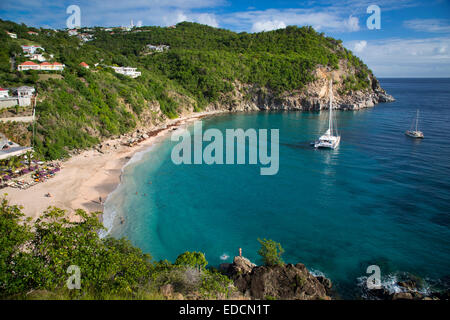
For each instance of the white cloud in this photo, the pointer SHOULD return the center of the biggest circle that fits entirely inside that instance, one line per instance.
(268, 25)
(428, 25)
(208, 19)
(352, 23)
(360, 46)
(174, 18)
(429, 57)
(320, 19)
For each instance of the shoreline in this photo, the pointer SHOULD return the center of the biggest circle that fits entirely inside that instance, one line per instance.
(87, 179)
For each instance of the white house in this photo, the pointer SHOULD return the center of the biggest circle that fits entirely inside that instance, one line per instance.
(158, 48)
(12, 35)
(4, 93)
(127, 71)
(38, 56)
(25, 92)
(72, 32)
(29, 50)
(85, 37)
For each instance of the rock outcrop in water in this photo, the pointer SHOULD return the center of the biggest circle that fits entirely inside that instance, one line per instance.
(312, 97)
(288, 282)
(409, 287)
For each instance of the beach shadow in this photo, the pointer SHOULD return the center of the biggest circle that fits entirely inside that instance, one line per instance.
(93, 206)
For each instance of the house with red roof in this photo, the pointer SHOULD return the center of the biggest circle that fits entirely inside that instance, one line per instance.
(84, 65)
(58, 66)
(4, 93)
(28, 65)
(45, 66)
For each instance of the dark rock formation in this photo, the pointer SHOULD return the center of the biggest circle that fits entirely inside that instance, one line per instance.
(286, 282)
(409, 287)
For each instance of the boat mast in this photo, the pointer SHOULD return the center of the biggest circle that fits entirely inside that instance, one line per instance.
(417, 118)
(330, 122)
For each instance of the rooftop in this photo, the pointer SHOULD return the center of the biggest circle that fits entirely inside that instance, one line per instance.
(28, 63)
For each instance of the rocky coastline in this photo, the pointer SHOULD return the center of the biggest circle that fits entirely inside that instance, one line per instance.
(286, 282)
(313, 97)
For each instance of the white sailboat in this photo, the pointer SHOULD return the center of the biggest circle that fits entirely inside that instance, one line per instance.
(415, 133)
(330, 139)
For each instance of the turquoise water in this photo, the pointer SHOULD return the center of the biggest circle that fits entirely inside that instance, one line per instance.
(380, 198)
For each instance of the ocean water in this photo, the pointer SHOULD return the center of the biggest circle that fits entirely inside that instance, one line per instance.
(381, 198)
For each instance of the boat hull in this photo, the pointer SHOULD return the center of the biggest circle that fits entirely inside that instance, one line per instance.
(327, 144)
(414, 134)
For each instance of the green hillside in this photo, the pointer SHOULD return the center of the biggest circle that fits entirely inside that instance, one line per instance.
(85, 106)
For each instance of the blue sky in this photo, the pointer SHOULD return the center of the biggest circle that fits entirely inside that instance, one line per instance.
(414, 39)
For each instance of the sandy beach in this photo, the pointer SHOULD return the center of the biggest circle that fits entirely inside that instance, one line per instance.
(86, 179)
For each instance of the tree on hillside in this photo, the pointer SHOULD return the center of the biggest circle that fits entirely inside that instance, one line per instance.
(271, 252)
(192, 259)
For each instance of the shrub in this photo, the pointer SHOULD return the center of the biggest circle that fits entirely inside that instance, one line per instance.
(271, 252)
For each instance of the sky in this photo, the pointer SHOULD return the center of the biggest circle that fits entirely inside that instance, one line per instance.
(411, 40)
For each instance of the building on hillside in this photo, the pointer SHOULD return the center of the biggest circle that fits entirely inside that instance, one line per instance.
(25, 92)
(52, 66)
(127, 71)
(85, 37)
(10, 149)
(32, 33)
(22, 96)
(72, 32)
(44, 66)
(31, 49)
(158, 48)
(37, 56)
(4, 93)
(28, 65)
(84, 65)
(12, 35)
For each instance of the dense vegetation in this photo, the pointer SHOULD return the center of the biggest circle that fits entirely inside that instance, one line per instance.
(79, 108)
(35, 257)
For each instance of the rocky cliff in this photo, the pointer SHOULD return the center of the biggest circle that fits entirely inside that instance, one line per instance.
(287, 282)
(314, 96)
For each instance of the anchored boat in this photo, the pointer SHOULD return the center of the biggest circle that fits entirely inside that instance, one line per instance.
(331, 138)
(415, 133)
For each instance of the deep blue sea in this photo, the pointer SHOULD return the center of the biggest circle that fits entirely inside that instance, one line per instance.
(381, 198)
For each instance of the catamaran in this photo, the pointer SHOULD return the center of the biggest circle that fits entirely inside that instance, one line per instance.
(331, 138)
(415, 133)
